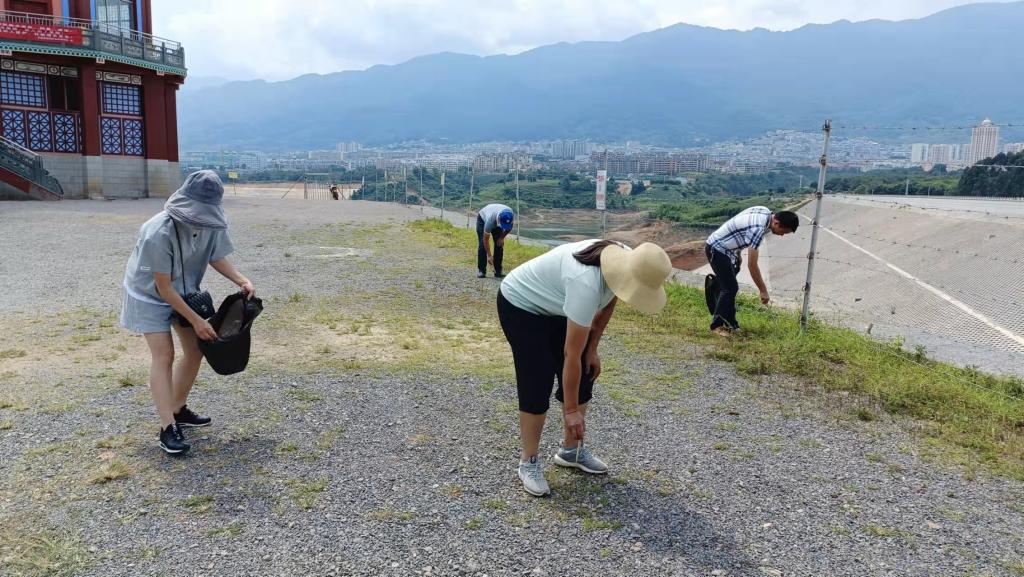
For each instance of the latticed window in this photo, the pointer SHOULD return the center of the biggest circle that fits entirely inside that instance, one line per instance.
(22, 89)
(110, 135)
(122, 99)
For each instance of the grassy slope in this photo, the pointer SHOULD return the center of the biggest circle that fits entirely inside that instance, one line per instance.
(968, 417)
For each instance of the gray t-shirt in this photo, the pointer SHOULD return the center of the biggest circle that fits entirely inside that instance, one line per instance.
(157, 251)
(556, 284)
(489, 214)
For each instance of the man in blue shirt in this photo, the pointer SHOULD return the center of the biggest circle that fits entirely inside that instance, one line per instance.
(745, 230)
(493, 221)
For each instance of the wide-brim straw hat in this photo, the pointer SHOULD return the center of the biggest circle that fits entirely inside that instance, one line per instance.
(637, 276)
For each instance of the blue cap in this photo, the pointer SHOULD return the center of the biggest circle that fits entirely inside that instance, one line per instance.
(505, 219)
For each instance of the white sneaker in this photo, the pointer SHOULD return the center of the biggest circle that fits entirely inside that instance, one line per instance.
(531, 473)
(581, 458)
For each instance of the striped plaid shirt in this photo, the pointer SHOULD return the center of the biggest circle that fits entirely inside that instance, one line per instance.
(746, 229)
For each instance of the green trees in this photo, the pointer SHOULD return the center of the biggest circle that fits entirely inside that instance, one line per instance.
(998, 179)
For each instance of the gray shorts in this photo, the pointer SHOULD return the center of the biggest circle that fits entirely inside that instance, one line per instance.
(142, 317)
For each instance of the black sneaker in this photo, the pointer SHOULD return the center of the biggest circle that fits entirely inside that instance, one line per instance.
(481, 274)
(499, 274)
(172, 441)
(186, 418)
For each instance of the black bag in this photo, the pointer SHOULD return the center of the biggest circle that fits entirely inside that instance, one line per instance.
(200, 302)
(229, 354)
(711, 292)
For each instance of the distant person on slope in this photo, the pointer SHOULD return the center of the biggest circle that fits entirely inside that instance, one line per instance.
(745, 230)
(493, 221)
(553, 310)
(169, 261)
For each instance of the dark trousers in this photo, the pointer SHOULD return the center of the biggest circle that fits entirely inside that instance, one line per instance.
(538, 351)
(481, 252)
(725, 309)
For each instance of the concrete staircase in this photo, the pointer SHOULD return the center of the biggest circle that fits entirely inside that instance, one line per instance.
(22, 170)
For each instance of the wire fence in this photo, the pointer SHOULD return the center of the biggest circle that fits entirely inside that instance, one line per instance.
(924, 275)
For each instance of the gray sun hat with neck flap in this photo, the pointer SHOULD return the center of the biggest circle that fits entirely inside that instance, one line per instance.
(198, 202)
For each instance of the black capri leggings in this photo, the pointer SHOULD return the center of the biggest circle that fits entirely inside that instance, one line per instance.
(538, 349)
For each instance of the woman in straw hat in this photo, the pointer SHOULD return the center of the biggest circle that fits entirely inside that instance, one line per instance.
(553, 310)
(168, 263)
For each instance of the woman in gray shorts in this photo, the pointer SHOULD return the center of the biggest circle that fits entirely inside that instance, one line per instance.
(174, 248)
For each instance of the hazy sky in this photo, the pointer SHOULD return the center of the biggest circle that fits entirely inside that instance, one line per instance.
(242, 39)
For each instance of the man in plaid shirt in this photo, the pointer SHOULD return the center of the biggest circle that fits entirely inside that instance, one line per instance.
(745, 230)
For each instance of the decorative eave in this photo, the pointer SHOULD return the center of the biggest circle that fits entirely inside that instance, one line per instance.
(12, 47)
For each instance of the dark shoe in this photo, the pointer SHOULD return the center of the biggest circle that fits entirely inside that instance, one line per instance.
(172, 441)
(499, 274)
(186, 418)
(481, 274)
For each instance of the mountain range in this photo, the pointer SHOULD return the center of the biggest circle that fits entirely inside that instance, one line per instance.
(680, 85)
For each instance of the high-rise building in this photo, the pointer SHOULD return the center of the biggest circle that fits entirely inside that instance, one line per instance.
(85, 85)
(984, 142)
(919, 153)
(1014, 148)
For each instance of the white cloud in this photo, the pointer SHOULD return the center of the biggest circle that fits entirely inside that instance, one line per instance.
(270, 39)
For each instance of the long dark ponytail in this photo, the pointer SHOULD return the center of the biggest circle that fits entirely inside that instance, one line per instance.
(591, 256)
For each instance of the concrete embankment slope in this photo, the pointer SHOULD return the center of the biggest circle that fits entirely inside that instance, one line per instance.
(946, 276)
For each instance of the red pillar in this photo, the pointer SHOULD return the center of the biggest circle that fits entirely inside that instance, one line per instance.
(90, 109)
(171, 118)
(155, 115)
(81, 9)
(147, 17)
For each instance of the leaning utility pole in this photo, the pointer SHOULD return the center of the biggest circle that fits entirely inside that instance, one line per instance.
(827, 129)
(519, 215)
(472, 173)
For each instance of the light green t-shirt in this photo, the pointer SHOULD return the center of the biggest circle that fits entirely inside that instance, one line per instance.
(556, 284)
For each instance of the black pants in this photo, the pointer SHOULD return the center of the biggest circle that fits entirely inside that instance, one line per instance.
(538, 350)
(481, 252)
(725, 309)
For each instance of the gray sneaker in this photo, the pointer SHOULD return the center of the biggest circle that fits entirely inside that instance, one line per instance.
(531, 473)
(581, 458)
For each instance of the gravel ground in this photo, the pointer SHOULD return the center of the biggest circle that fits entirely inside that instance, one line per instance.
(360, 468)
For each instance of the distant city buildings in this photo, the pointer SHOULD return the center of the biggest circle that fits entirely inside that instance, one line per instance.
(1014, 148)
(571, 149)
(984, 144)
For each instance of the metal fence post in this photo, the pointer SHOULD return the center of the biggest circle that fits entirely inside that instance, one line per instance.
(827, 129)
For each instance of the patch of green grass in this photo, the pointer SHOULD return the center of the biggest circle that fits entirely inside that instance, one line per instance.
(325, 440)
(496, 504)
(286, 447)
(474, 524)
(306, 493)
(888, 532)
(1016, 567)
(115, 442)
(134, 378)
(592, 524)
(604, 553)
(6, 425)
(232, 529)
(721, 446)
(198, 503)
(12, 354)
(31, 553)
(975, 416)
(111, 471)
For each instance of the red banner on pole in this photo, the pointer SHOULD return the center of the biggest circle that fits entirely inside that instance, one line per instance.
(40, 33)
